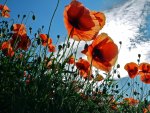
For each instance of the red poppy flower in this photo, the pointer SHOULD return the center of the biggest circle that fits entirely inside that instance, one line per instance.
(99, 78)
(24, 43)
(49, 63)
(51, 48)
(27, 82)
(81, 23)
(71, 60)
(19, 29)
(20, 41)
(102, 53)
(45, 40)
(131, 101)
(132, 69)
(84, 68)
(144, 67)
(144, 71)
(7, 49)
(4, 11)
(146, 110)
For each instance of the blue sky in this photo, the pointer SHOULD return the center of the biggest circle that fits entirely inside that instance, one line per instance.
(43, 10)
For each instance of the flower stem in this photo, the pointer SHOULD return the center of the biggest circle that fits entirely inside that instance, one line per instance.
(53, 17)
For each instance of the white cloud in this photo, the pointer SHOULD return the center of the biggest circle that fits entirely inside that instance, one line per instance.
(123, 24)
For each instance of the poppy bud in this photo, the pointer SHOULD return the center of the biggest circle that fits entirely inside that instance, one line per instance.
(30, 28)
(135, 93)
(141, 89)
(118, 75)
(139, 55)
(128, 84)
(24, 16)
(85, 46)
(138, 60)
(59, 47)
(35, 34)
(33, 17)
(120, 42)
(18, 16)
(42, 27)
(118, 65)
(64, 45)
(58, 36)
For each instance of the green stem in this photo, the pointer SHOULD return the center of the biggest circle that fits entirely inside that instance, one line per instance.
(66, 45)
(53, 17)
(70, 50)
(77, 49)
(28, 16)
(5, 3)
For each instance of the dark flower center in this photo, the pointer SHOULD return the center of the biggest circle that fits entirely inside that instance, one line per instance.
(133, 71)
(81, 66)
(145, 70)
(75, 23)
(97, 55)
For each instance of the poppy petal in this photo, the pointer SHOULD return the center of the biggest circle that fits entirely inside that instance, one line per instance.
(99, 54)
(145, 77)
(19, 29)
(81, 23)
(5, 11)
(145, 67)
(132, 69)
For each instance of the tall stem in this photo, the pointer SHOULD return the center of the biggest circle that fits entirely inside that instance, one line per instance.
(5, 2)
(53, 17)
